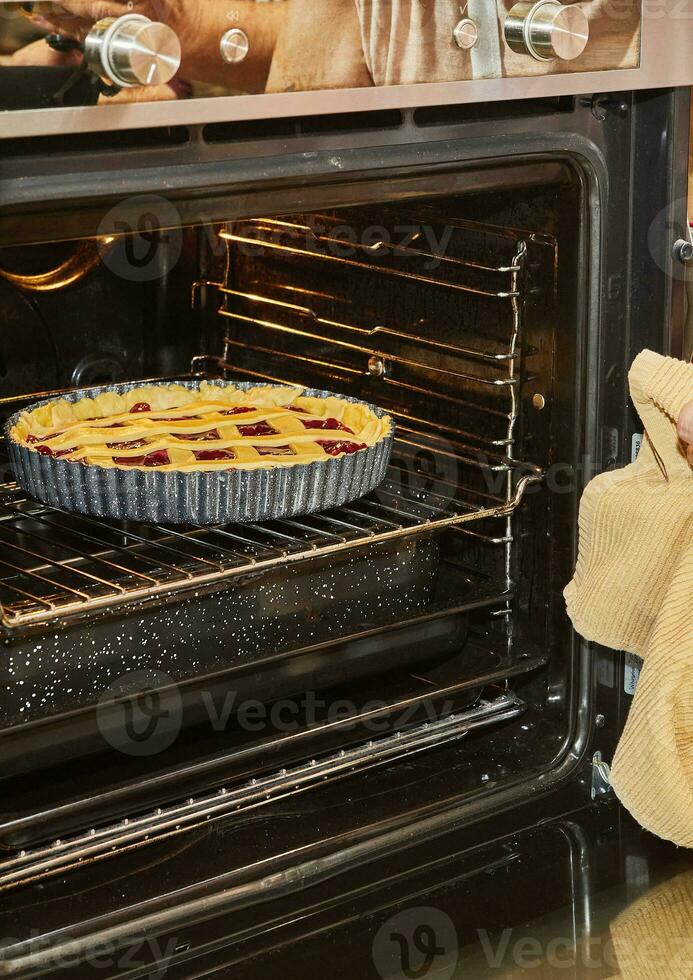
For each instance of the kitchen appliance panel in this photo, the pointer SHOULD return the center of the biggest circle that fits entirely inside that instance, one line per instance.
(442, 55)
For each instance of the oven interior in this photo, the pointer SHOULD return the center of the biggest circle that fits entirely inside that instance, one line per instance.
(426, 618)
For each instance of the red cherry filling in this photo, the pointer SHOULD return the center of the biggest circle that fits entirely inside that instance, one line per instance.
(326, 424)
(259, 429)
(241, 410)
(208, 436)
(274, 450)
(140, 407)
(55, 453)
(335, 447)
(158, 458)
(115, 425)
(135, 444)
(32, 439)
(210, 455)
(303, 411)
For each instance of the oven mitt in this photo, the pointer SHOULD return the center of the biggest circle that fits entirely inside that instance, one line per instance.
(633, 590)
(653, 937)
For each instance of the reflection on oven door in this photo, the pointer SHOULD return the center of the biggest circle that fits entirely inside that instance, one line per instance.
(168, 50)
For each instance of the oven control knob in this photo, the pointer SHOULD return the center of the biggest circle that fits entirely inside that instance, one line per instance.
(547, 30)
(133, 50)
(466, 34)
(234, 46)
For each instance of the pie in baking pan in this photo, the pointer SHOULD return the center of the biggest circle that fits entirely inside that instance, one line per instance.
(212, 427)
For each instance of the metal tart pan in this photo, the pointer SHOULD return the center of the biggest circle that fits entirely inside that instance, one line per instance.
(172, 497)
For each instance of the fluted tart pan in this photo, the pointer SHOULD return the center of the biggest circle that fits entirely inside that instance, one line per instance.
(198, 497)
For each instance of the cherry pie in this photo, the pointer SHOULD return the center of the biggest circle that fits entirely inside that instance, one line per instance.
(218, 427)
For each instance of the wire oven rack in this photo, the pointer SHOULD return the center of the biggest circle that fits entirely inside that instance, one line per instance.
(451, 377)
(54, 565)
(69, 852)
(413, 307)
(436, 329)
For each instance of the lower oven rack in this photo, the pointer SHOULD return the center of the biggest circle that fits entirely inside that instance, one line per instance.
(57, 566)
(62, 855)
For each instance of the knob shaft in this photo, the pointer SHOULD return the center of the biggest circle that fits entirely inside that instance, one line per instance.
(547, 30)
(132, 50)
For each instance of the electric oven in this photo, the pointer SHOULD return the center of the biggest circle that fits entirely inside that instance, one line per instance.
(208, 733)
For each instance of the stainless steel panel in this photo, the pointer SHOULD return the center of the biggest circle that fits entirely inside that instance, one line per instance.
(666, 61)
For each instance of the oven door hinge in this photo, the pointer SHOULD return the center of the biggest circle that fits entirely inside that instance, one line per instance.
(601, 779)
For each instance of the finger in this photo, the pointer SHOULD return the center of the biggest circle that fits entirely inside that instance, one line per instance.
(684, 426)
(153, 93)
(70, 27)
(83, 9)
(39, 53)
(75, 18)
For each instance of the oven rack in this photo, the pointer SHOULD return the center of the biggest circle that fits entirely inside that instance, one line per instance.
(67, 853)
(55, 565)
(436, 328)
(346, 239)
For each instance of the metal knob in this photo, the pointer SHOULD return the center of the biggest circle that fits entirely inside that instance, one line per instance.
(132, 50)
(466, 34)
(234, 46)
(683, 251)
(547, 30)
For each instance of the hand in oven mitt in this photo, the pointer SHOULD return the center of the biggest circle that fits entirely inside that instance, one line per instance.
(632, 591)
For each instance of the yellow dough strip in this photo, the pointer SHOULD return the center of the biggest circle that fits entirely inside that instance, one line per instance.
(64, 425)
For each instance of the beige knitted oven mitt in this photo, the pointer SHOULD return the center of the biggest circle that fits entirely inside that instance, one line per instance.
(633, 590)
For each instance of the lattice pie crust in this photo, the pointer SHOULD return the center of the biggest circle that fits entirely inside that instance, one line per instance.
(216, 428)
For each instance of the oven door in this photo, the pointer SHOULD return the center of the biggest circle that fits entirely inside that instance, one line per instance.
(206, 862)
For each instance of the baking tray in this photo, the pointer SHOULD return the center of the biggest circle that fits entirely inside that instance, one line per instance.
(199, 498)
(236, 625)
